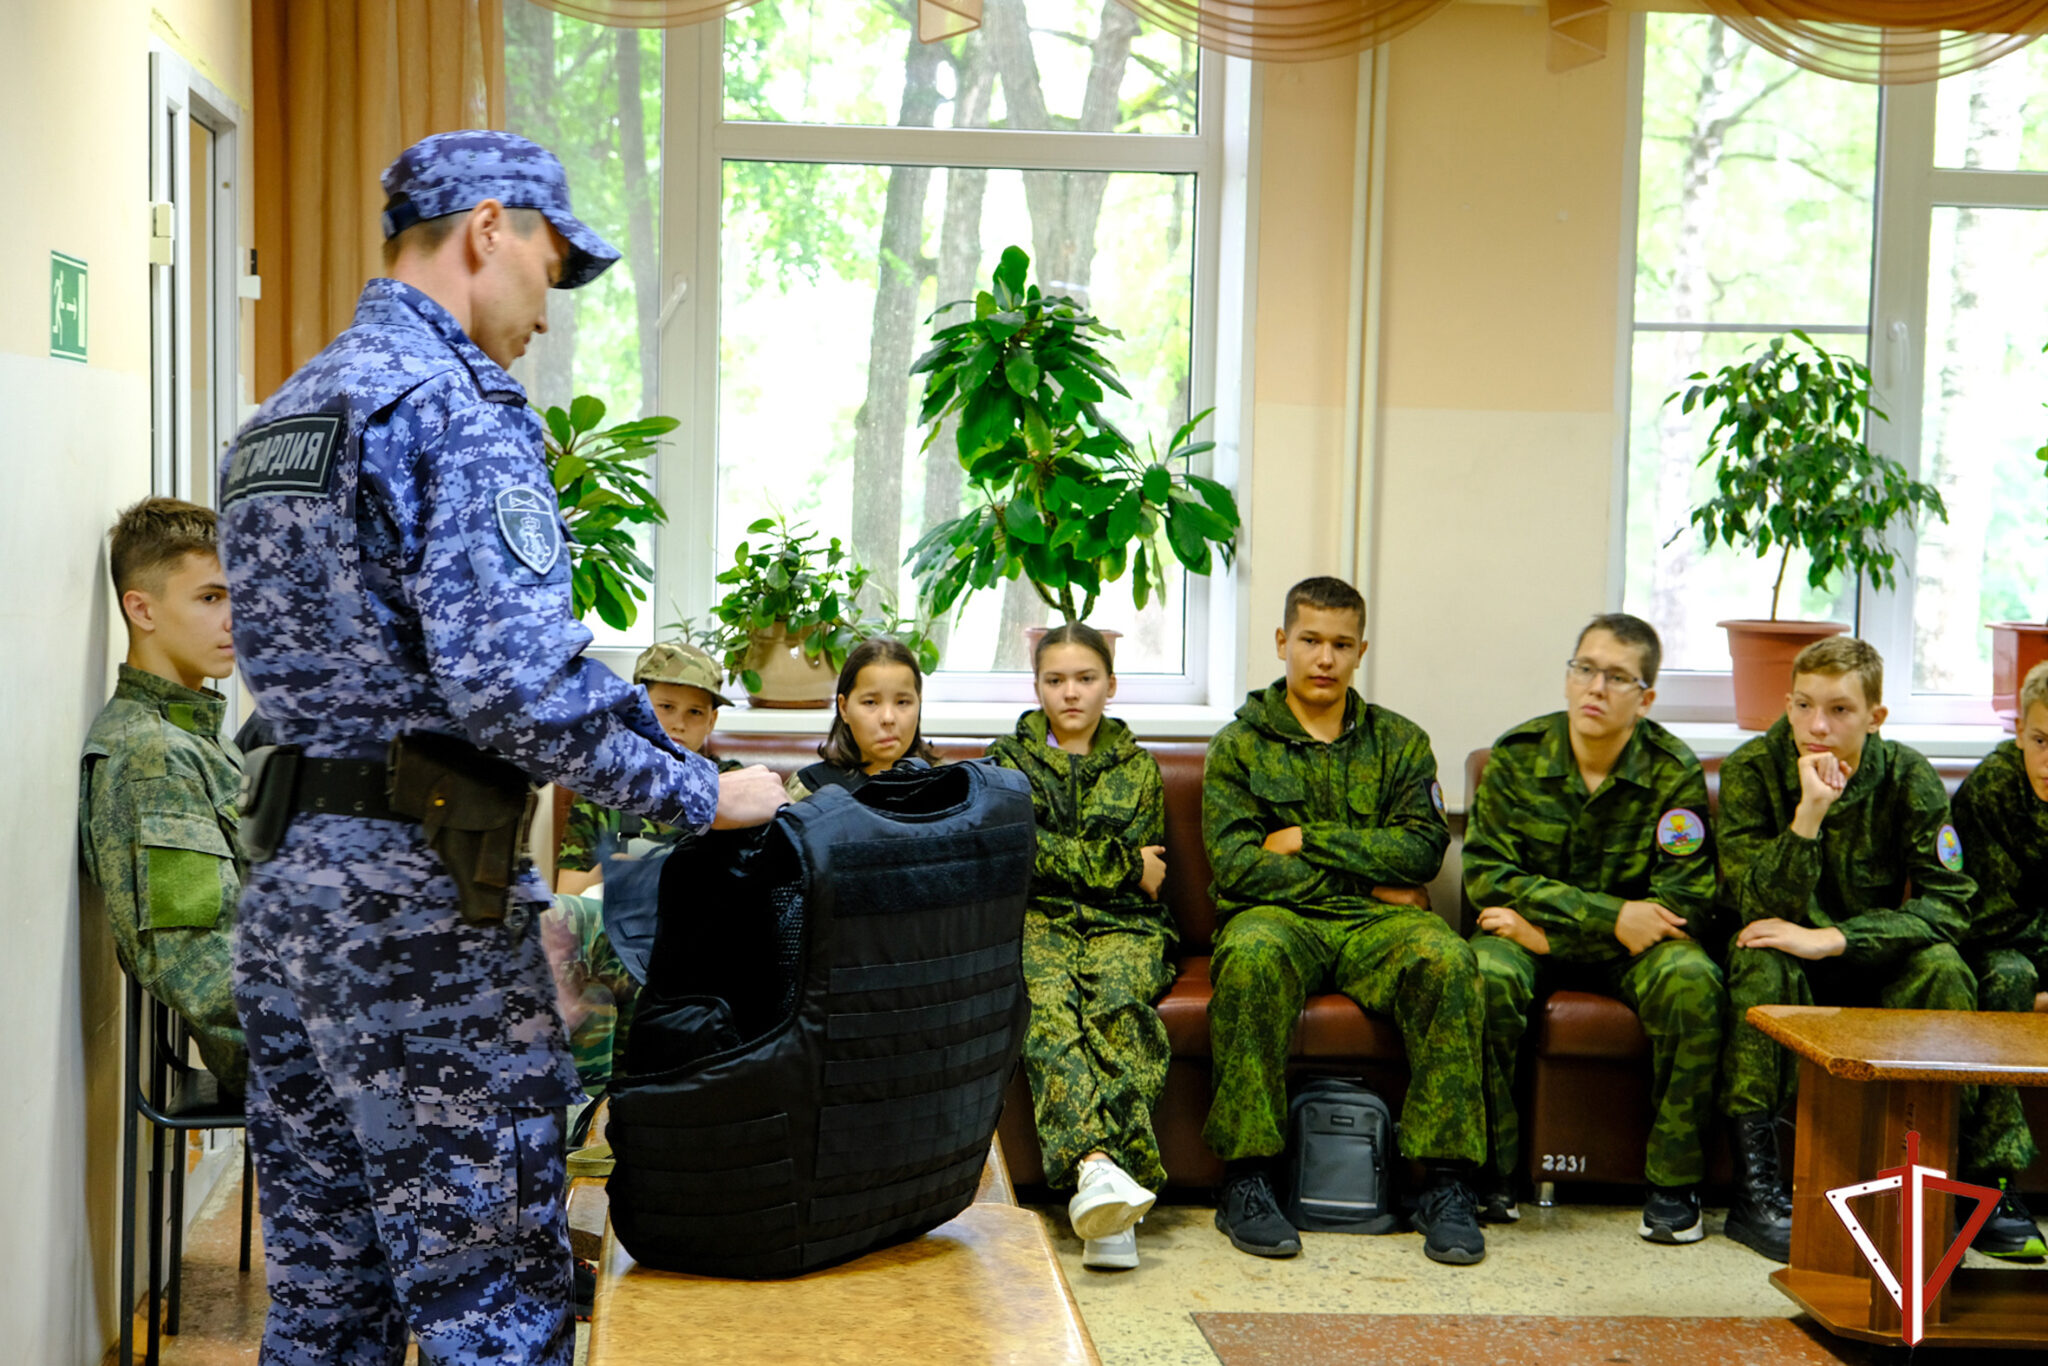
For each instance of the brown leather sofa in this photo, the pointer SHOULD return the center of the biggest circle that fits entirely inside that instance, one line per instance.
(1585, 1107)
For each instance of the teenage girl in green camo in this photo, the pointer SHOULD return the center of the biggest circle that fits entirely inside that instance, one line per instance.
(1095, 944)
(880, 693)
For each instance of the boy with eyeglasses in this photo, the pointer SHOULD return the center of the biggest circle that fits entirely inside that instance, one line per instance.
(1586, 849)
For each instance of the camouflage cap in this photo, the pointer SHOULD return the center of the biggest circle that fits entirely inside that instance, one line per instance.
(676, 661)
(453, 172)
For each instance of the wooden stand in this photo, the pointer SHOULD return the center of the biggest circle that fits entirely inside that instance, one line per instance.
(1867, 1078)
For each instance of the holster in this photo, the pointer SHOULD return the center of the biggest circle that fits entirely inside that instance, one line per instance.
(476, 809)
(270, 780)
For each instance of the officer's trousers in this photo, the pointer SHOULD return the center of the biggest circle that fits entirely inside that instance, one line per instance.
(1096, 1051)
(1674, 989)
(1397, 960)
(408, 1081)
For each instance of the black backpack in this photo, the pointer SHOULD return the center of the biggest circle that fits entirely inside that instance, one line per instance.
(1339, 1158)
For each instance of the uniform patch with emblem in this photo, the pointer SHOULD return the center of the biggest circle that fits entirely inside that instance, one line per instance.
(1436, 796)
(1948, 847)
(526, 519)
(293, 455)
(1681, 832)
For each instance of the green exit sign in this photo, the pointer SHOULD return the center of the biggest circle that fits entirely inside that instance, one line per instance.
(67, 307)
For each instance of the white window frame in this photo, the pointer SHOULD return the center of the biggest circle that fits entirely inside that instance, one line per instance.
(696, 140)
(1909, 188)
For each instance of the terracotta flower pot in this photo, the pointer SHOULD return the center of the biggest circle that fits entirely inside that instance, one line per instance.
(787, 678)
(1762, 653)
(2016, 647)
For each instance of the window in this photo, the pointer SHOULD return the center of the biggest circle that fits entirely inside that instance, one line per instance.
(816, 182)
(1901, 227)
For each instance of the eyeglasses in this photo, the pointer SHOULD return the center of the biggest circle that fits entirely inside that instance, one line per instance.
(1582, 673)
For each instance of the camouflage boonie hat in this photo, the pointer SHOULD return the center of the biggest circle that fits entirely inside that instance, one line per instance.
(675, 661)
(451, 172)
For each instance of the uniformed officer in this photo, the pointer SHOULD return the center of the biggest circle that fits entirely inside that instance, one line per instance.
(399, 568)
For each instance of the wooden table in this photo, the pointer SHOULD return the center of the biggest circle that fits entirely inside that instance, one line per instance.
(1866, 1079)
(982, 1290)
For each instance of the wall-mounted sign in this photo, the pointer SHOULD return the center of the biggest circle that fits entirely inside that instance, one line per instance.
(67, 307)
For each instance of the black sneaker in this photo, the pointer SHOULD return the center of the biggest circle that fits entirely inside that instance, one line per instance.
(1449, 1224)
(1499, 1206)
(1672, 1215)
(1249, 1215)
(2011, 1230)
(583, 1290)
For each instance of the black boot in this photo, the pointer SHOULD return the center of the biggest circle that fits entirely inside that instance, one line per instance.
(1760, 1216)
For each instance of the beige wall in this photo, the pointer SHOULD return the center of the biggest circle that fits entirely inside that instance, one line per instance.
(73, 134)
(1487, 517)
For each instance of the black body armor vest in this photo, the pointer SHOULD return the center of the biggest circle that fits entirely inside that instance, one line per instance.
(833, 1008)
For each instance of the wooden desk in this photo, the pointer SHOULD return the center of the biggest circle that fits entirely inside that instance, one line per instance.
(983, 1290)
(1867, 1078)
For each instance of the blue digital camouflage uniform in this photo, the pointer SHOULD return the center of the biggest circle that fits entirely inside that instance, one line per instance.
(397, 564)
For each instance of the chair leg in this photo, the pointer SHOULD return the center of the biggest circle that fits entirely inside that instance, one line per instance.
(248, 1197)
(1546, 1194)
(181, 1151)
(156, 1242)
(132, 1156)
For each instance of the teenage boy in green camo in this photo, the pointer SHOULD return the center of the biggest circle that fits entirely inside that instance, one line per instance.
(2001, 813)
(682, 684)
(1824, 828)
(1587, 851)
(159, 783)
(1323, 819)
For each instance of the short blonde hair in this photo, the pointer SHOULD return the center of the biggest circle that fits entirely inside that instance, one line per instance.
(1839, 655)
(2034, 690)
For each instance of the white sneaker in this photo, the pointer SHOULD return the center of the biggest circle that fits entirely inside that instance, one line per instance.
(1117, 1252)
(1106, 1200)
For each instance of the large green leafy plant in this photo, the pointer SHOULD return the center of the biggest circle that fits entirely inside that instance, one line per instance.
(1792, 471)
(816, 593)
(1065, 499)
(598, 480)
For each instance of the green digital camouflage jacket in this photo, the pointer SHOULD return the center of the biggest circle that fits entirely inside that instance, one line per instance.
(1565, 859)
(1095, 813)
(1890, 827)
(595, 830)
(157, 821)
(1368, 804)
(2004, 830)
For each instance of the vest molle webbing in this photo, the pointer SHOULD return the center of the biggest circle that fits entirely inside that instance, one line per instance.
(754, 1141)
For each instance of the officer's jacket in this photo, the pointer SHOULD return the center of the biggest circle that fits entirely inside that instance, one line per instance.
(1095, 814)
(2004, 830)
(1890, 827)
(1368, 804)
(398, 562)
(1566, 859)
(157, 822)
(594, 833)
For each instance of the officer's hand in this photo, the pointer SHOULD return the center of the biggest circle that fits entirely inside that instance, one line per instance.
(748, 796)
(1155, 870)
(1643, 923)
(1286, 841)
(1509, 924)
(1418, 897)
(1796, 940)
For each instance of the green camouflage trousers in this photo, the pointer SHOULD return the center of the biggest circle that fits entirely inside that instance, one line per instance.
(1096, 1051)
(1400, 962)
(1674, 989)
(594, 976)
(1996, 1140)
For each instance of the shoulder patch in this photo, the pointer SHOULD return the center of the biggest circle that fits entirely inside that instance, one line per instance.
(1680, 832)
(526, 519)
(1436, 796)
(293, 456)
(1948, 847)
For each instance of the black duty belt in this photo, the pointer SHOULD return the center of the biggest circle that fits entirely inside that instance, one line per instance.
(346, 787)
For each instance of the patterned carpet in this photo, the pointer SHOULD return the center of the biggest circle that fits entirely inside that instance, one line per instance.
(1513, 1339)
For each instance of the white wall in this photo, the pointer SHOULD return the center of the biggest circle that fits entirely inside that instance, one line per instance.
(73, 135)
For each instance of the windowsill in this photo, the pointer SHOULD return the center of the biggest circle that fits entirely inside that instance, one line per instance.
(1147, 720)
(1711, 739)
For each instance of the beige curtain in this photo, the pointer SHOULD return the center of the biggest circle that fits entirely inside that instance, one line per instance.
(343, 86)
(1887, 42)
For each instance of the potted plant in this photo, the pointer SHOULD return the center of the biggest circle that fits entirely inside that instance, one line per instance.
(1792, 472)
(1056, 492)
(792, 611)
(597, 479)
